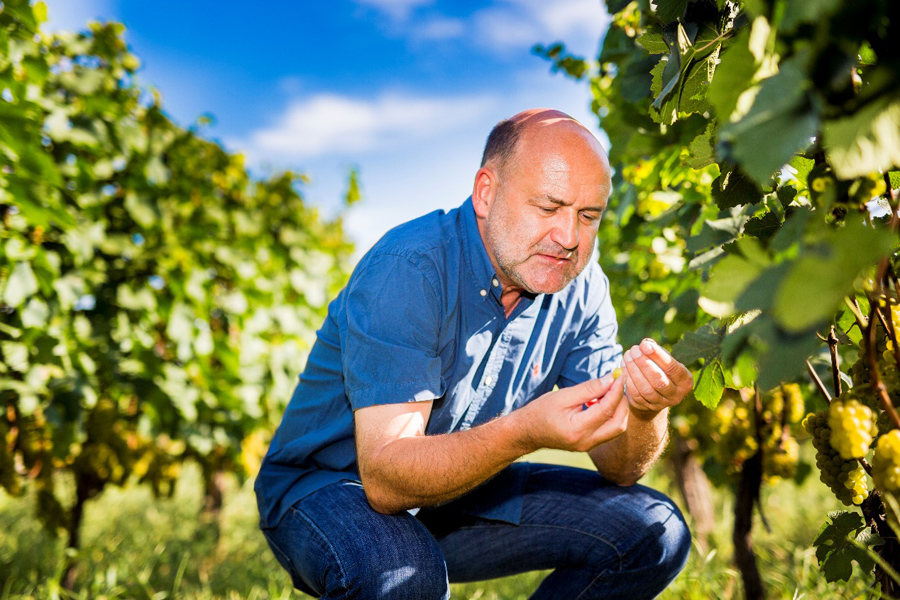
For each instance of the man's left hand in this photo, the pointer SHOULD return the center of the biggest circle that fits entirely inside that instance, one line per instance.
(654, 380)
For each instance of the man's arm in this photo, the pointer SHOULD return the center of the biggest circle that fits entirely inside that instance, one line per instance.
(402, 468)
(655, 381)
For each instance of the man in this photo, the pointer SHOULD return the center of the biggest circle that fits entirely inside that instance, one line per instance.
(393, 469)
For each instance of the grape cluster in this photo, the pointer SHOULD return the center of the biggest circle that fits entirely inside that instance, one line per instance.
(781, 461)
(852, 427)
(846, 478)
(886, 463)
(737, 435)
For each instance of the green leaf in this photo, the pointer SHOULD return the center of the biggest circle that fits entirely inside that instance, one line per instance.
(763, 227)
(825, 272)
(15, 355)
(836, 546)
(716, 232)
(614, 6)
(705, 343)
(730, 277)
(786, 352)
(865, 142)
(894, 176)
(733, 188)
(710, 384)
(36, 313)
(733, 77)
(352, 196)
(781, 122)
(669, 10)
(652, 41)
(21, 284)
(701, 150)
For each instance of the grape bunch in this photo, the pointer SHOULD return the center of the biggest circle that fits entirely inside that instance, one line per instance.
(886, 463)
(846, 478)
(852, 427)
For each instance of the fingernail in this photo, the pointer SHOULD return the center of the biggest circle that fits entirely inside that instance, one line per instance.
(635, 352)
(648, 346)
(627, 358)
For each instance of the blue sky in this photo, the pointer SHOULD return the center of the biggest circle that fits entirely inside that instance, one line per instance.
(404, 90)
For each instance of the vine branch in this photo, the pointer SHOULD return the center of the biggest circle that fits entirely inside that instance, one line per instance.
(821, 386)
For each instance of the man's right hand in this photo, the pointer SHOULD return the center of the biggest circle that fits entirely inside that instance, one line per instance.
(560, 420)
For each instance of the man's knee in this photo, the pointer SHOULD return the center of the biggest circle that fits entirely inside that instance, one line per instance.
(666, 541)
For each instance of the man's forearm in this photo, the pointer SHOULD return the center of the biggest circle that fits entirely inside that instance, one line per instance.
(627, 458)
(427, 470)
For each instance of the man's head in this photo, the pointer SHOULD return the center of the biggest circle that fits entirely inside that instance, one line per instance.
(539, 194)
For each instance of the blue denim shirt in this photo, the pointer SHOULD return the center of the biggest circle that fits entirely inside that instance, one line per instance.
(421, 319)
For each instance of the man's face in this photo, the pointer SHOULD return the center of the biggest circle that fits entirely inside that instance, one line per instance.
(542, 223)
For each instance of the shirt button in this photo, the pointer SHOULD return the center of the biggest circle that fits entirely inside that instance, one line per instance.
(488, 380)
(483, 293)
(495, 282)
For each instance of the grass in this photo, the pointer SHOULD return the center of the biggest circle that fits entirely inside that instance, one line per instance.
(136, 546)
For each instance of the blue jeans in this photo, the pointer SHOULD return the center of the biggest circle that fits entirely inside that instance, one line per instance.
(602, 540)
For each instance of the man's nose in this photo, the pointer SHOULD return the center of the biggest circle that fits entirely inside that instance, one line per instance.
(565, 232)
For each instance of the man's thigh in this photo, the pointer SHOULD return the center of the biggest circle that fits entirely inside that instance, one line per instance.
(575, 521)
(335, 546)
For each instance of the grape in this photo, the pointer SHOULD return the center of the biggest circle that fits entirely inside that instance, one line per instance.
(852, 425)
(886, 463)
(846, 478)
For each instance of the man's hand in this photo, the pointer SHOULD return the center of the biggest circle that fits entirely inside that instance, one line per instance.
(654, 380)
(560, 420)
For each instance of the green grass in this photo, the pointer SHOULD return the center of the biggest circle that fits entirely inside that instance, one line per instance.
(136, 546)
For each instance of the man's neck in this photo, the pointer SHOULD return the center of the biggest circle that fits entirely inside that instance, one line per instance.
(509, 298)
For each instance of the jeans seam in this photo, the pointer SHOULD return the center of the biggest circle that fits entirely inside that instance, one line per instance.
(324, 538)
(599, 576)
(574, 529)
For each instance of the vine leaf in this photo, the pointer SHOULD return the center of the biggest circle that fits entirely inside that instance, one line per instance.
(864, 142)
(710, 384)
(780, 123)
(825, 272)
(842, 541)
(705, 343)
(733, 188)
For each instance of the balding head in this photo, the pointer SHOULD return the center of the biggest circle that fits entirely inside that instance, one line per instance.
(503, 141)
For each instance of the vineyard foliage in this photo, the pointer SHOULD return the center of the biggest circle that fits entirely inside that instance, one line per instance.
(156, 302)
(756, 149)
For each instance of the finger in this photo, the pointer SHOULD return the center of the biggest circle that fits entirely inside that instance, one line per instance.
(586, 392)
(677, 372)
(643, 394)
(653, 373)
(613, 427)
(602, 408)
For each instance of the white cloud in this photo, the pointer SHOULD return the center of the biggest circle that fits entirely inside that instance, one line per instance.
(330, 124)
(398, 10)
(513, 24)
(516, 25)
(74, 15)
(440, 28)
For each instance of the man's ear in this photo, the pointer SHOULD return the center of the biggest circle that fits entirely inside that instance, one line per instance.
(485, 190)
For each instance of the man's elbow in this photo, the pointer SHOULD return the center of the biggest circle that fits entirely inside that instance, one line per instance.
(380, 497)
(622, 478)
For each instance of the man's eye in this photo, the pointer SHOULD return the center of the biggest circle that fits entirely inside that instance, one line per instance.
(549, 210)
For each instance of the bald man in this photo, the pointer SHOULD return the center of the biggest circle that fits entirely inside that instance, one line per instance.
(394, 470)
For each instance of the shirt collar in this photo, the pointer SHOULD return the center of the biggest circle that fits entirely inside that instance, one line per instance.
(479, 262)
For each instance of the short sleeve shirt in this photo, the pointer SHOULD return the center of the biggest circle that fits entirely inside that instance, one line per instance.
(421, 320)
